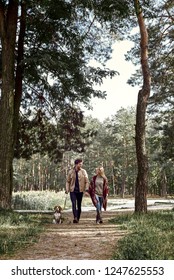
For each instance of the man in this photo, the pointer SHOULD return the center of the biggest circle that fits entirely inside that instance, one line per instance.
(77, 183)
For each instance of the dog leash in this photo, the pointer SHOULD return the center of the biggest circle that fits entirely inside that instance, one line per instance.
(66, 195)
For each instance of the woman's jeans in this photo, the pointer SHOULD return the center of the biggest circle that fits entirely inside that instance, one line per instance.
(99, 207)
(76, 199)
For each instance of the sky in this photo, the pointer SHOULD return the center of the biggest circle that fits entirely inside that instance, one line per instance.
(119, 93)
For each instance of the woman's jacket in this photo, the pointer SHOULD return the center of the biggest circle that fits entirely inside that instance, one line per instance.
(92, 187)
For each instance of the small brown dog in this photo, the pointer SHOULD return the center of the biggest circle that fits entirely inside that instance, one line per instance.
(57, 215)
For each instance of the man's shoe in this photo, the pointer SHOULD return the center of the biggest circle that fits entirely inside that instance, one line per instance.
(75, 221)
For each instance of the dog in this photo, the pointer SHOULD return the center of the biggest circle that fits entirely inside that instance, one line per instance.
(57, 215)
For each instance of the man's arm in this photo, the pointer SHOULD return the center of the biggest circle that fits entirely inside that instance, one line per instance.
(86, 181)
(68, 180)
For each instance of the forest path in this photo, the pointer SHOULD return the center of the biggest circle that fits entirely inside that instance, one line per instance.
(83, 241)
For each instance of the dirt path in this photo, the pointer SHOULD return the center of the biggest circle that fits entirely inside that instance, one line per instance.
(85, 240)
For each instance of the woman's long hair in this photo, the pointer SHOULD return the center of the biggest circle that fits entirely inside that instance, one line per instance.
(100, 171)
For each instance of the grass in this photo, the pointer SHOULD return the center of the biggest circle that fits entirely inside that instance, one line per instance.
(37, 200)
(150, 237)
(18, 230)
(42, 200)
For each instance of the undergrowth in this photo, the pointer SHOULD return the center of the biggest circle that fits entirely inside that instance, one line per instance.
(42, 200)
(18, 230)
(150, 236)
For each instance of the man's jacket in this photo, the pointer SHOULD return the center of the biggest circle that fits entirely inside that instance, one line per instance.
(82, 177)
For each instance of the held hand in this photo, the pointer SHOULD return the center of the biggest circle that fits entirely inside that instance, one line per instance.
(86, 194)
(66, 192)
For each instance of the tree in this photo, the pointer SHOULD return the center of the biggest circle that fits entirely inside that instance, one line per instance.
(122, 128)
(41, 135)
(159, 17)
(8, 28)
(143, 95)
(43, 41)
(161, 32)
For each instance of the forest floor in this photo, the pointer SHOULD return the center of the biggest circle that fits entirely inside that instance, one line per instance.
(83, 241)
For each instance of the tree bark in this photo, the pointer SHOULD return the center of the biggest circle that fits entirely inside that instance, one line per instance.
(143, 95)
(163, 185)
(8, 110)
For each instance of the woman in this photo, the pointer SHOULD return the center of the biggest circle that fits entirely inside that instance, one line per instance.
(98, 191)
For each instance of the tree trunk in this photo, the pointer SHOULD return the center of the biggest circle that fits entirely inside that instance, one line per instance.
(8, 25)
(143, 95)
(11, 92)
(123, 185)
(163, 185)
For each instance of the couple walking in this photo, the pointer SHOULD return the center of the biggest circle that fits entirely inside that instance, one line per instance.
(77, 184)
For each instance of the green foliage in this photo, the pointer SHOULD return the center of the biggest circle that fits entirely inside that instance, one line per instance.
(149, 237)
(145, 245)
(159, 16)
(17, 230)
(40, 135)
(53, 54)
(110, 143)
(37, 200)
(42, 200)
(50, 47)
(168, 139)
